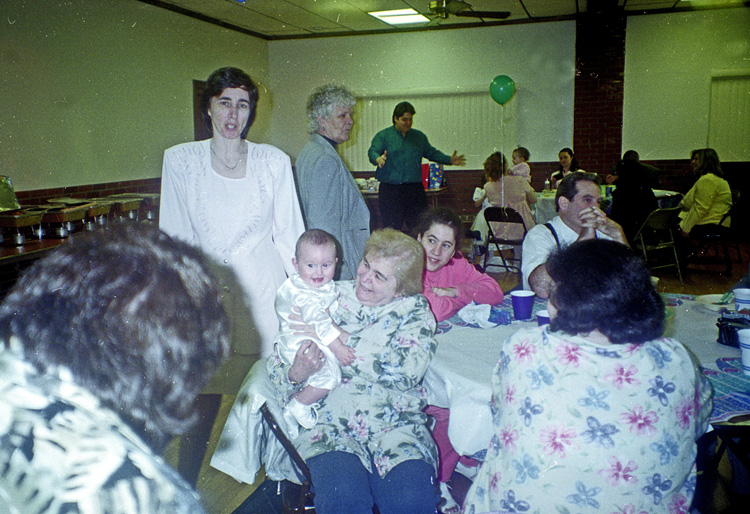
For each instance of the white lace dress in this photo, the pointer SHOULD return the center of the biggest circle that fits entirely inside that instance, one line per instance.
(249, 226)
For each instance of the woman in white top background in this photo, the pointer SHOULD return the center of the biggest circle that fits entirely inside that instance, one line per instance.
(236, 201)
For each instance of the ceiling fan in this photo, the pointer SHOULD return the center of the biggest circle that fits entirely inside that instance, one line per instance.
(445, 8)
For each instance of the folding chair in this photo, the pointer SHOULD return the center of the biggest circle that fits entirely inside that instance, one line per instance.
(254, 438)
(656, 234)
(720, 236)
(502, 215)
(295, 498)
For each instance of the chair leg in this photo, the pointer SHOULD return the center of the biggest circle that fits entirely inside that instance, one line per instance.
(677, 264)
(727, 257)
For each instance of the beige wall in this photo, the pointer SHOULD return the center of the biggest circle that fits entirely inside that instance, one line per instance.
(539, 57)
(94, 91)
(669, 59)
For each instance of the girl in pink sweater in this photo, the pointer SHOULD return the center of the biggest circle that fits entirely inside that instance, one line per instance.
(450, 282)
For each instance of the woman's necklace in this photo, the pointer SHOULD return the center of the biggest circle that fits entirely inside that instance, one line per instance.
(227, 166)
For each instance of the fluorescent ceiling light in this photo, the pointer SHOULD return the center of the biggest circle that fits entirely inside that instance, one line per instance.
(399, 16)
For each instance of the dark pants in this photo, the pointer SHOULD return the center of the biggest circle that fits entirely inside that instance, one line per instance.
(344, 486)
(401, 203)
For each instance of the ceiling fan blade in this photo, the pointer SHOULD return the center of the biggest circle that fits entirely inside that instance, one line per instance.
(498, 15)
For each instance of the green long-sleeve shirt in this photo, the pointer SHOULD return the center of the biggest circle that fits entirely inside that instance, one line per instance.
(404, 158)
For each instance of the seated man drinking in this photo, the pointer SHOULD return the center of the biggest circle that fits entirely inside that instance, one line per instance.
(578, 218)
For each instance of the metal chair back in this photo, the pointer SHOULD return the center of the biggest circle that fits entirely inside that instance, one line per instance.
(657, 233)
(502, 215)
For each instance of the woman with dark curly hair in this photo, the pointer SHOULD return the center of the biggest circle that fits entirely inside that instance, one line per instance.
(595, 409)
(104, 345)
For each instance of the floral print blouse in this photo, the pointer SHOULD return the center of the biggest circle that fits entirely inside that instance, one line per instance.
(584, 427)
(61, 450)
(376, 412)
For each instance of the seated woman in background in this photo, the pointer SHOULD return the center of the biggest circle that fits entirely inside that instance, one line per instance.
(633, 199)
(371, 445)
(709, 199)
(504, 190)
(596, 409)
(568, 164)
(450, 281)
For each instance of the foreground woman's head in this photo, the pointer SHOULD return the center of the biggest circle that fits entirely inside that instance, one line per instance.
(132, 315)
(602, 285)
(391, 267)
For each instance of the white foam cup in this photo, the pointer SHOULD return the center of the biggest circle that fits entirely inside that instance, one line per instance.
(741, 298)
(744, 338)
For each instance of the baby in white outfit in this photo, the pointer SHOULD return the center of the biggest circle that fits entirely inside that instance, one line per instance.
(312, 293)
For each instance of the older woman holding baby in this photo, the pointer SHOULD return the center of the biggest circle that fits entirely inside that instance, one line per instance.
(596, 410)
(371, 445)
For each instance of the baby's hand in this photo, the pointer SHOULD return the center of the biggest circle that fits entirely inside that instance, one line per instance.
(343, 353)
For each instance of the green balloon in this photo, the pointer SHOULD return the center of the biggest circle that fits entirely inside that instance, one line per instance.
(502, 89)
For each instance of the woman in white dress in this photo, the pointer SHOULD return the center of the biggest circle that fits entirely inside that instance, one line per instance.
(235, 200)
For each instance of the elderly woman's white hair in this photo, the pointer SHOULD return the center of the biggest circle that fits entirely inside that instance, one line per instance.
(324, 100)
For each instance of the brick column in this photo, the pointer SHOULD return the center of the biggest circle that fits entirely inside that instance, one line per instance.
(600, 67)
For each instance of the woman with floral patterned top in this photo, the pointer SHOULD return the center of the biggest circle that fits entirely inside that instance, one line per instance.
(371, 445)
(594, 412)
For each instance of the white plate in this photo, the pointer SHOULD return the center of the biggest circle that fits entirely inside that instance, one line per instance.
(711, 301)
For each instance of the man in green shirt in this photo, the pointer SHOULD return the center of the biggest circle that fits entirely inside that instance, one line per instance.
(397, 151)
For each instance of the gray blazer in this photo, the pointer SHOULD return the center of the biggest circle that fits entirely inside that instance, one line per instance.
(331, 201)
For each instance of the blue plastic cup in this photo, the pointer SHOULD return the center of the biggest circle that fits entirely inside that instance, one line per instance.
(523, 302)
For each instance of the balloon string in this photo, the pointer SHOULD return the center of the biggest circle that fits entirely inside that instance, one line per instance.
(502, 158)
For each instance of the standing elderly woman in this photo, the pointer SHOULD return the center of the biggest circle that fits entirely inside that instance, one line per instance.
(596, 410)
(236, 201)
(371, 445)
(330, 198)
(709, 199)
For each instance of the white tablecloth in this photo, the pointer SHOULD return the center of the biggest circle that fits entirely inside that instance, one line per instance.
(459, 376)
(545, 206)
